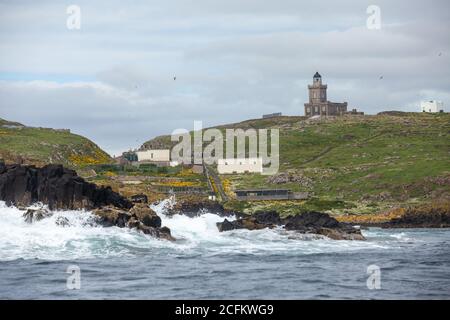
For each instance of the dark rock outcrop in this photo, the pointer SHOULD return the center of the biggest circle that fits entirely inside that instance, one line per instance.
(2, 166)
(310, 219)
(227, 225)
(267, 217)
(56, 186)
(62, 222)
(161, 233)
(111, 216)
(61, 188)
(258, 220)
(430, 219)
(140, 217)
(308, 222)
(139, 198)
(146, 215)
(194, 208)
(33, 215)
(321, 223)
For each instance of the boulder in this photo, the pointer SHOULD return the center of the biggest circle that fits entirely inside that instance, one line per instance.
(227, 225)
(307, 223)
(258, 220)
(195, 207)
(161, 233)
(56, 186)
(310, 219)
(140, 217)
(321, 223)
(147, 216)
(112, 216)
(62, 222)
(246, 223)
(139, 198)
(33, 215)
(252, 223)
(340, 233)
(61, 188)
(133, 223)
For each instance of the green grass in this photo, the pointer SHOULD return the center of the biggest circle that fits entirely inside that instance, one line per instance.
(364, 162)
(40, 146)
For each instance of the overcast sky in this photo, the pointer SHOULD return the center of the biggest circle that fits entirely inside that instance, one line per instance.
(112, 80)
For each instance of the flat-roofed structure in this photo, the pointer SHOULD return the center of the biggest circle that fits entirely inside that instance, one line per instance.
(432, 106)
(161, 155)
(270, 194)
(240, 165)
(272, 115)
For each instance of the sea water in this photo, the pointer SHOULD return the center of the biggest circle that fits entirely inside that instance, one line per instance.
(204, 263)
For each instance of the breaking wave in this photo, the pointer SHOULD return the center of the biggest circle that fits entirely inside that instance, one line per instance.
(82, 238)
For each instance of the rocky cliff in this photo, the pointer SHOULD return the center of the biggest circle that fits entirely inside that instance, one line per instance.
(306, 223)
(61, 188)
(56, 186)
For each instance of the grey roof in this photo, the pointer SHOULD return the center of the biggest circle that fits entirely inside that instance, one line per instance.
(262, 190)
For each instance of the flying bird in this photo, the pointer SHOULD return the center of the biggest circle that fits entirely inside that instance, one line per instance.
(174, 78)
(381, 77)
(440, 54)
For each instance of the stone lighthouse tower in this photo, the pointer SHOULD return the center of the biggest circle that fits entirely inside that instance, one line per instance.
(318, 103)
(317, 91)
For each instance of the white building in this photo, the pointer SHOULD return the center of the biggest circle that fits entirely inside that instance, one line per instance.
(240, 165)
(431, 106)
(162, 155)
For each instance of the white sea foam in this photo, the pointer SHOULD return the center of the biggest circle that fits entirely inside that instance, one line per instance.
(200, 234)
(83, 238)
(45, 239)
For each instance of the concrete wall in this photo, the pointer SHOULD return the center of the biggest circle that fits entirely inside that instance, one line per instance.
(154, 155)
(242, 165)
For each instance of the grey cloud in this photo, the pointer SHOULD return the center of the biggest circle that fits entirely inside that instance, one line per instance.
(233, 60)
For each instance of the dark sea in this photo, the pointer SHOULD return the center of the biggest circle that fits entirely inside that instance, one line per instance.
(83, 260)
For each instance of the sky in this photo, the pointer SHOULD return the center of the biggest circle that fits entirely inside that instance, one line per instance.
(112, 80)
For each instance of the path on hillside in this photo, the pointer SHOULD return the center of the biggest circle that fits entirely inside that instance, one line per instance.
(316, 157)
(373, 137)
(212, 173)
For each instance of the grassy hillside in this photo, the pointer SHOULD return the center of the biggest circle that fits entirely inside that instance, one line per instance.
(354, 163)
(40, 146)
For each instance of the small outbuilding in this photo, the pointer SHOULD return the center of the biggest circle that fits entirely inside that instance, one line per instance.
(432, 106)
